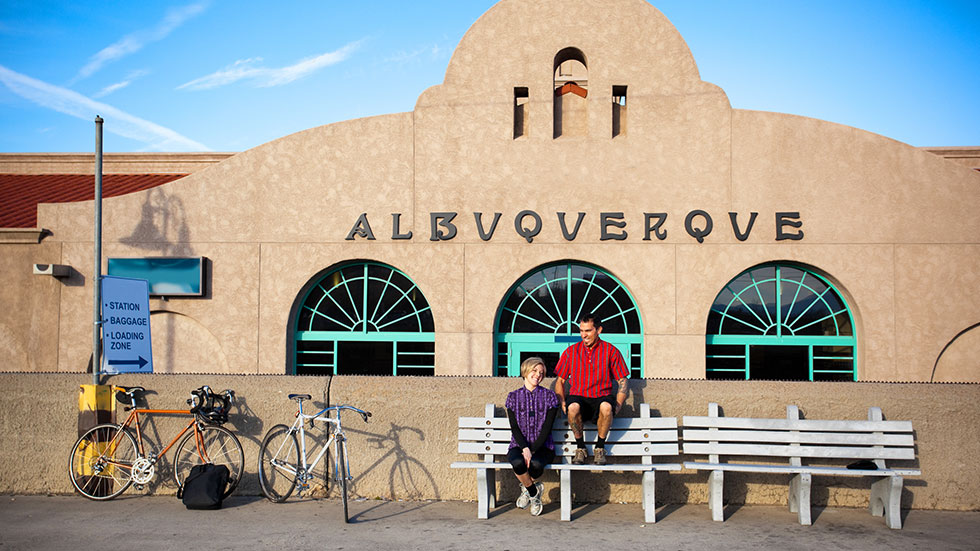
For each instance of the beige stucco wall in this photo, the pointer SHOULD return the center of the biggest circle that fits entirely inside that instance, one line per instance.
(404, 451)
(894, 227)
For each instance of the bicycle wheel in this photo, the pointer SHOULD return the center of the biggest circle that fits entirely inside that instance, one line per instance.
(278, 463)
(221, 447)
(101, 462)
(342, 470)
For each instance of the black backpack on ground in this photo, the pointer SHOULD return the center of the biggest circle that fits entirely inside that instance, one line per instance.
(204, 487)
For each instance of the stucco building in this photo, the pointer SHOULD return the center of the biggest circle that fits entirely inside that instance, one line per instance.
(572, 160)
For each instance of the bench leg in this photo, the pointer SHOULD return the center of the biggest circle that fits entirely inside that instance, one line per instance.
(566, 494)
(799, 497)
(484, 480)
(491, 488)
(649, 497)
(716, 483)
(886, 500)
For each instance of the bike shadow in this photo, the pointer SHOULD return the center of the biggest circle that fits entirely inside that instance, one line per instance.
(408, 478)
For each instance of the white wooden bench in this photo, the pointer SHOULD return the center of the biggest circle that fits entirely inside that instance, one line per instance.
(795, 439)
(637, 440)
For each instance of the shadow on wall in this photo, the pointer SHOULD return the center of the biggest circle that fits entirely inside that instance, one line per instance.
(960, 364)
(162, 227)
(162, 230)
(408, 478)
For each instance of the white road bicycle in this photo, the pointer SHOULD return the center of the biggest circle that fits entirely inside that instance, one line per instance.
(283, 460)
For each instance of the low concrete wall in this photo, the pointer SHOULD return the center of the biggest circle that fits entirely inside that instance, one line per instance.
(404, 451)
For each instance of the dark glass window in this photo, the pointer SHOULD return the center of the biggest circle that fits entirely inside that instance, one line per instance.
(780, 322)
(344, 312)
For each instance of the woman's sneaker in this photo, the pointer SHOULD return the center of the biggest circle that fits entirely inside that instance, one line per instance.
(524, 500)
(536, 505)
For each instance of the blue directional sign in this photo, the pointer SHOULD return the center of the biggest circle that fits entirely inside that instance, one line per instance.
(126, 326)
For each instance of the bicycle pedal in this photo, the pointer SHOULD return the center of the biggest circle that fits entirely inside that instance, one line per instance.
(139, 487)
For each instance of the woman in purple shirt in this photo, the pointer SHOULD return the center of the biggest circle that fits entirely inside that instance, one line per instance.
(532, 410)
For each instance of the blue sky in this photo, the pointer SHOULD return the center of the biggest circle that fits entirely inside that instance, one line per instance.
(220, 75)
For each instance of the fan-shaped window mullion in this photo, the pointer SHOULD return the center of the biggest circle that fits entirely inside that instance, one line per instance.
(522, 331)
(399, 341)
(404, 296)
(326, 317)
(530, 296)
(762, 300)
(384, 289)
(738, 297)
(804, 347)
(816, 299)
(343, 310)
(799, 287)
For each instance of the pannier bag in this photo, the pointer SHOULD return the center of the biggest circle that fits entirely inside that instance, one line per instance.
(204, 487)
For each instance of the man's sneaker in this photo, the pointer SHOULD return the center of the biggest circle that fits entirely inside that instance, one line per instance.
(524, 499)
(580, 457)
(536, 505)
(600, 456)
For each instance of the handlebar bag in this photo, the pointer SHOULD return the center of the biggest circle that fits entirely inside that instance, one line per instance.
(204, 487)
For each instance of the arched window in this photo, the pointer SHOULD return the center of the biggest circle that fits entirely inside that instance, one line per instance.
(364, 318)
(780, 322)
(571, 85)
(539, 316)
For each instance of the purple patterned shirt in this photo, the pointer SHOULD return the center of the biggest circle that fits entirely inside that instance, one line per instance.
(530, 410)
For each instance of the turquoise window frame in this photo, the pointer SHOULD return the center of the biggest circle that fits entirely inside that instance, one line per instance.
(560, 329)
(364, 322)
(784, 332)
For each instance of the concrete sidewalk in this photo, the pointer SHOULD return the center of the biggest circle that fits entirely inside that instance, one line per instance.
(147, 522)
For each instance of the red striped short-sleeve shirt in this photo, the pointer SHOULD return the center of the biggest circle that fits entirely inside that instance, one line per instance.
(591, 372)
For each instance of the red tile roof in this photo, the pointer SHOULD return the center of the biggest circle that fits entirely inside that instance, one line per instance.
(20, 193)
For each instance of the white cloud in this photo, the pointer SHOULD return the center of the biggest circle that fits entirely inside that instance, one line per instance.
(245, 69)
(135, 41)
(120, 85)
(118, 122)
(419, 55)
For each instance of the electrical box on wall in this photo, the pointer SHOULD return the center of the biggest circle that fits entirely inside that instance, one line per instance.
(55, 270)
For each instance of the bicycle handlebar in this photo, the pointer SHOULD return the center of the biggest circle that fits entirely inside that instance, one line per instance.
(338, 409)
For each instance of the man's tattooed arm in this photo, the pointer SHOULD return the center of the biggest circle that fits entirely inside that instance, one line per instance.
(621, 393)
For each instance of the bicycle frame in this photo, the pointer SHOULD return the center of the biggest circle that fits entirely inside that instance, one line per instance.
(336, 438)
(134, 420)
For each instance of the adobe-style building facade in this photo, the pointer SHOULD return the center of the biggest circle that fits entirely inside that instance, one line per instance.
(572, 160)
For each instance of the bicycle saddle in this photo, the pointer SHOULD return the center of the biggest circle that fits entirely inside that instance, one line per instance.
(127, 394)
(300, 397)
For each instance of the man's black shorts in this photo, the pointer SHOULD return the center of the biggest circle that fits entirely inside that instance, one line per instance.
(589, 407)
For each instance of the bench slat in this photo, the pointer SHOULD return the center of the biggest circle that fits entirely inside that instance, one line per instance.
(828, 452)
(639, 467)
(500, 448)
(792, 469)
(561, 423)
(501, 435)
(849, 438)
(792, 424)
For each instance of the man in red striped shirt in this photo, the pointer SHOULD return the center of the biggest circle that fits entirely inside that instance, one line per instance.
(598, 380)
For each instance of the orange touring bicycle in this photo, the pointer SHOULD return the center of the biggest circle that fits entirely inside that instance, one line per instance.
(108, 459)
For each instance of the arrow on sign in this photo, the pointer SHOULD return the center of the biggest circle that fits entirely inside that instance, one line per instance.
(138, 363)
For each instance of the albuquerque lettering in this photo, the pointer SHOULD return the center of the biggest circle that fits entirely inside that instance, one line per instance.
(612, 226)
